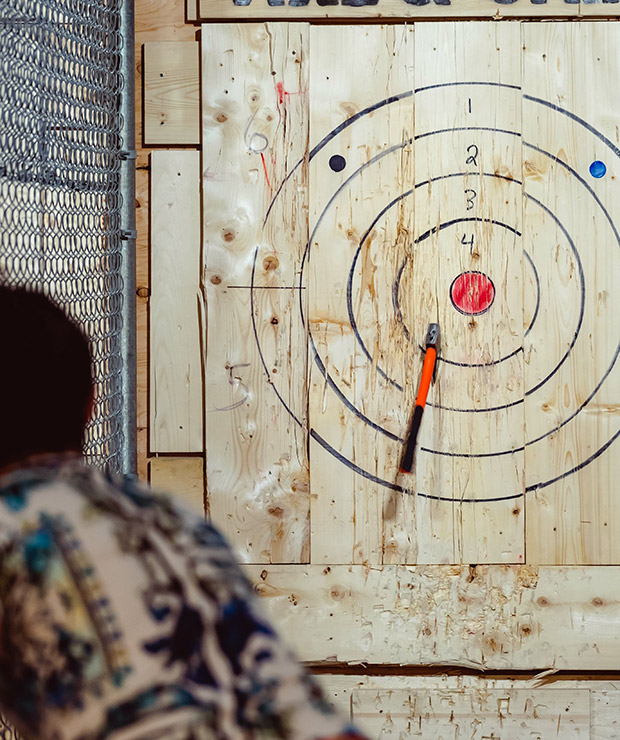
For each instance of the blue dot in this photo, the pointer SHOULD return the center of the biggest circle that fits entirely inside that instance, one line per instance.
(597, 168)
(337, 163)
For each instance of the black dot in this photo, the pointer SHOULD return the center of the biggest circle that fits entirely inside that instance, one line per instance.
(337, 163)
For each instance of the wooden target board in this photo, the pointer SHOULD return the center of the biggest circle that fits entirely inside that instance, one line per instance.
(360, 182)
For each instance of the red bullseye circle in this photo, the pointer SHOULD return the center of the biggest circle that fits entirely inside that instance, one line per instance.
(472, 293)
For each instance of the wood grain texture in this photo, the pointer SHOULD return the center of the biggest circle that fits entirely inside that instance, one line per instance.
(213, 9)
(191, 10)
(485, 617)
(171, 93)
(182, 476)
(255, 123)
(605, 715)
(175, 361)
(358, 238)
(485, 713)
(469, 466)
(163, 20)
(572, 377)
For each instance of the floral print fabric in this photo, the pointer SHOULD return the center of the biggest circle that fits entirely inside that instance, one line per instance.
(124, 615)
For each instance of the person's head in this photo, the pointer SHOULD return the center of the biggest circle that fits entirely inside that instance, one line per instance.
(45, 377)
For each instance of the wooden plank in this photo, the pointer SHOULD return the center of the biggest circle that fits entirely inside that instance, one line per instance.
(605, 715)
(468, 222)
(255, 127)
(457, 681)
(485, 713)
(154, 19)
(572, 378)
(182, 476)
(175, 363)
(485, 617)
(142, 317)
(362, 155)
(191, 11)
(171, 93)
(214, 9)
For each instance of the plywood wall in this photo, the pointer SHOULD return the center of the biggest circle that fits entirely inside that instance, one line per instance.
(340, 195)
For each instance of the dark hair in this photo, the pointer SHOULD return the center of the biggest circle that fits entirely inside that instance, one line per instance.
(45, 377)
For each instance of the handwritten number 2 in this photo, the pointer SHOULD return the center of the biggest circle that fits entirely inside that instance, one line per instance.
(472, 151)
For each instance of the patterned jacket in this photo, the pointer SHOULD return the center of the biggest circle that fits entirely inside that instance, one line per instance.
(123, 615)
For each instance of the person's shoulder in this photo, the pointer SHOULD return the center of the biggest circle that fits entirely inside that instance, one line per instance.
(165, 510)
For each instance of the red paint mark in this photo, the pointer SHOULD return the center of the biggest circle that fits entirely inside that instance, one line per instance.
(262, 156)
(284, 95)
(472, 293)
(281, 93)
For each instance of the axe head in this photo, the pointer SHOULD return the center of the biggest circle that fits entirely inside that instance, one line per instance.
(433, 336)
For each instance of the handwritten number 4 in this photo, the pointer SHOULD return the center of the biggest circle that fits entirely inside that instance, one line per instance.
(468, 242)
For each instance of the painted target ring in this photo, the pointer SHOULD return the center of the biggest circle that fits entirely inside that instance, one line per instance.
(479, 304)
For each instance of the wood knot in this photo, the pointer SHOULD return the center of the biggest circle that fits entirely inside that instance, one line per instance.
(472, 324)
(516, 511)
(597, 601)
(336, 593)
(542, 601)
(263, 575)
(276, 511)
(271, 262)
(143, 292)
(327, 570)
(526, 629)
(427, 631)
(221, 117)
(274, 320)
(229, 235)
(216, 279)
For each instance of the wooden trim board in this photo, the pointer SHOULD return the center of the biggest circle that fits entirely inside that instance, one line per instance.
(240, 10)
(175, 361)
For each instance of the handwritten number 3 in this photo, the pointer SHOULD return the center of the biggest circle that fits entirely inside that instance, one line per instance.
(470, 195)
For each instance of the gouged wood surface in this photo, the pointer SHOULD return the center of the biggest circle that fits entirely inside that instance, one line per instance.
(486, 617)
(255, 123)
(175, 362)
(343, 206)
(482, 713)
(605, 715)
(213, 9)
(171, 93)
(182, 476)
(378, 694)
(572, 517)
(469, 223)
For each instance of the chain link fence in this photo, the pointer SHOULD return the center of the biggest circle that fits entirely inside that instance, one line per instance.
(61, 84)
